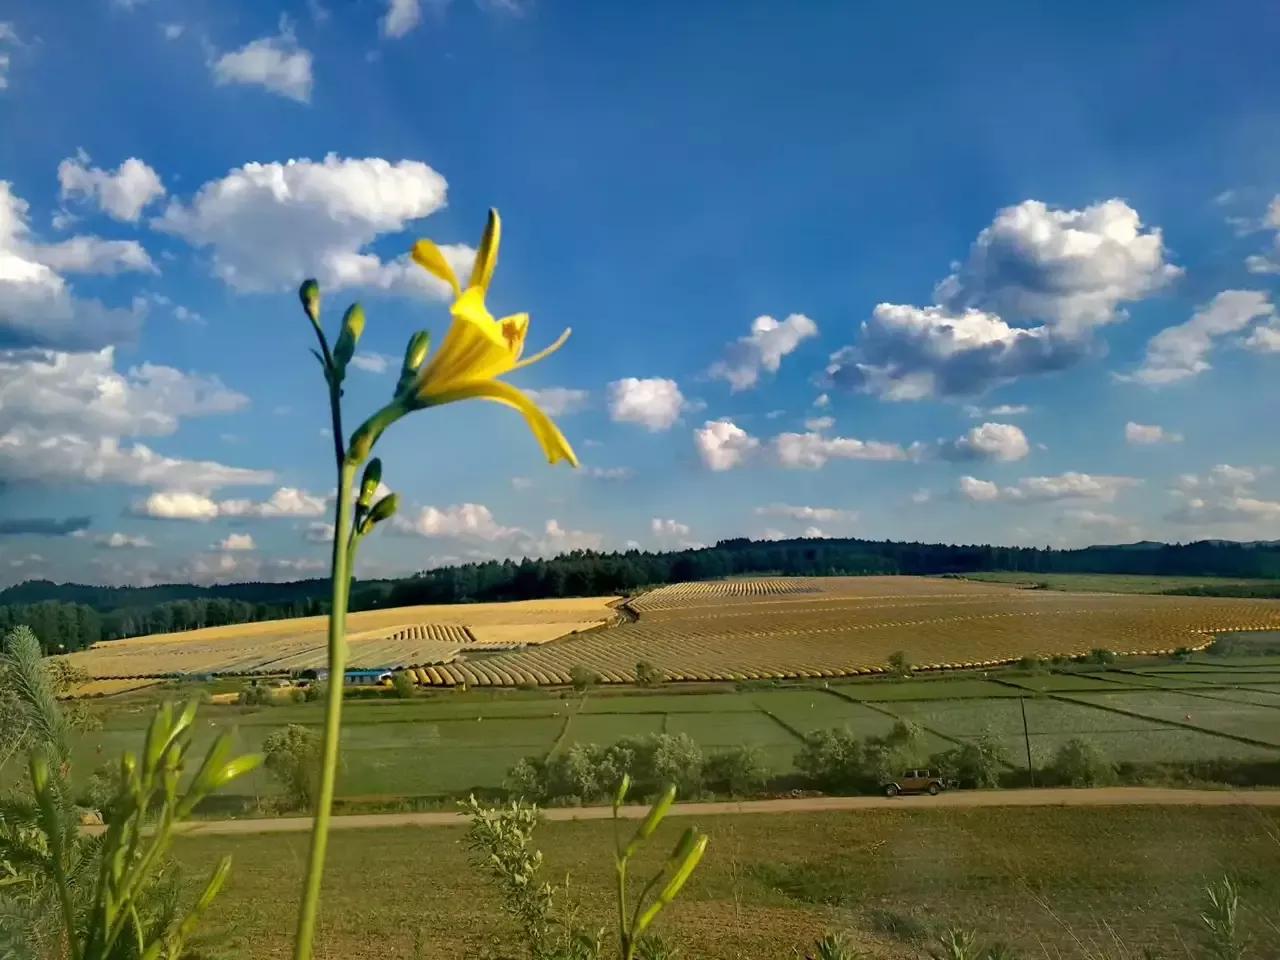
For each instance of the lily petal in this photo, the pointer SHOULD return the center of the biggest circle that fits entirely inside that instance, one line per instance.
(428, 256)
(548, 435)
(546, 351)
(487, 255)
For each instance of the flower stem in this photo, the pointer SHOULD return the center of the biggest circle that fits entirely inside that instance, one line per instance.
(342, 563)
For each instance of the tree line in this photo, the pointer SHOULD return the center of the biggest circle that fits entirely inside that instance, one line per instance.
(71, 616)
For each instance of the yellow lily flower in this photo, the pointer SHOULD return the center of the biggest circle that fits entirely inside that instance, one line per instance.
(478, 349)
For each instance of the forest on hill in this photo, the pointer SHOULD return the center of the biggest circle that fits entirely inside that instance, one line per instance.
(71, 616)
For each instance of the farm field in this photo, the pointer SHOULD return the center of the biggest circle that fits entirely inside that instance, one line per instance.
(449, 742)
(1058, 882)
(1106, 582)
(398, 637)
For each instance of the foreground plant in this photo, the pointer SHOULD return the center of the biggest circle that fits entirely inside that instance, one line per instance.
(475, 352)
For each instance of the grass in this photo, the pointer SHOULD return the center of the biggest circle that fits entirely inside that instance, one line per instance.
(1046, 879)
(1107, 582)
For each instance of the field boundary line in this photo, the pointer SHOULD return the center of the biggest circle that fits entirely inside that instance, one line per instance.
(1239, 738)
(889, 713)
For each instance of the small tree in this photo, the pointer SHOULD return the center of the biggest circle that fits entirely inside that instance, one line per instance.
(980, 761)
(583, 678)
(293, 758)
(403, 684)
(647, 675)
(832, 759)
(739, 771)
(899, 665)
(314, 691)
(254, 695)
(1081, 763)
(1102, 656)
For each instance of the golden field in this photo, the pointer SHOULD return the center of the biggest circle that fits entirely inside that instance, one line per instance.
(403, 636)
(742, 629)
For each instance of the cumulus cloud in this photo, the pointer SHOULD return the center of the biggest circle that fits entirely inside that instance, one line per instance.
(1179, 352)
(121, 194)
(401, 17)
(818, 424)
(723, 445)
(807, 514)
(1224, 496)
(560, 401)
(1000, 442)
(8, 38)
(1143, 434)
(266, 224)
(176, 504)
(470, 521)
(813, 450)
(762, 350)
(999, 410)
(319, 531)
(371, 362)
(1066, 486)
(673, 533)
(237, 541)
(1036, 283)
(1268, 263)
(122, 541)
(37, 305)
(655, 403)
(276, 63)
(65, 417)
(556, 539)
(608, 473)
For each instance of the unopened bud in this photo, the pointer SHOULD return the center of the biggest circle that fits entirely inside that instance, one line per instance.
(309, 294)
(369, 483)
(384, 508)
(414, 354)
(352, 327)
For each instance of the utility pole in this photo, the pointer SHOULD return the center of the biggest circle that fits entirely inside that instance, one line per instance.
(1026, 734)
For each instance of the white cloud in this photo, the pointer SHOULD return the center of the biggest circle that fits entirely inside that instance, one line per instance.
(471, 521)
(371, 362)
(999, 410)
(762, 350)
(275, 63)
(236, 541)
(560, 401)
(521, 483)
(813, 450)
(319, 531)
(673, 533)
(822, 400)
(1141, 434)
(401, 17)
(177, 505)
(813, 533)
(172, 31)
(1179, 352)
(121, 195)
(817, 514)
(609, 473)
(1035, 285)
(37, 307)
(267, 224)
(556, 540)
(285, 502)
(1000, 442)
(1101, 521)
(723, 445)
(9, 37)
(818, 424)
(1268, 263)
(120, 541)
(1066, 486)
(654, 404)
(923, 495)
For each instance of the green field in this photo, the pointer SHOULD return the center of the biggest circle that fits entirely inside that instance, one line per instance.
(431, 748)
(1056, 882)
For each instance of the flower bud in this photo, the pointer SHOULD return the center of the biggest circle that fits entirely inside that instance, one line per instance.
(309, 294)
(414, 353)
(352, 327)
(384, 508)
(369, 483)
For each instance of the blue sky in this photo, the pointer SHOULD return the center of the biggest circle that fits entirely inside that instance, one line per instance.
(1017, 271)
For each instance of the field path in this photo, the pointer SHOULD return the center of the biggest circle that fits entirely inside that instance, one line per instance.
(1054, 797)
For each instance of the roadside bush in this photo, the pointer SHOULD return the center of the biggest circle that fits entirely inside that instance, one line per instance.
(738, 771)
(832, 759)
(403, 685)
(1032, 664)
(647, 675)
(314, 691)
(1101, 656)
(1081, 763)
(292, 755)
(589, 773)
(582, 678)
(902, 748)
(254, 695)
(979, 762)
(663, 758)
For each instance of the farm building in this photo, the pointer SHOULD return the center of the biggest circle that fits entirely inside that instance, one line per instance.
(352, 678)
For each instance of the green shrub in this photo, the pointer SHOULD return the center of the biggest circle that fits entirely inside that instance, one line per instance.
(254, 695)
(314, 691)
(583, 678)
(647, 675)
(832, 759)
(1081, 763)
(739, 771)
(403, 684)
(293, 758)
(899, 665)
(1102, 656)
(979, 762)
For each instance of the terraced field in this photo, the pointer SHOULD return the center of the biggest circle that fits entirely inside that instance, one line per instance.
(400, 637)
(845, 626)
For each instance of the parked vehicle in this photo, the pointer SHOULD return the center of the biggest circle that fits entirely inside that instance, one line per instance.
(915, 781)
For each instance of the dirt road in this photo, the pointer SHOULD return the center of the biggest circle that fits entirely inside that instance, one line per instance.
(1101, 797)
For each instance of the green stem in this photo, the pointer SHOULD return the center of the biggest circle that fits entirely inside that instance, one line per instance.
(626, 947)
(342, 563)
